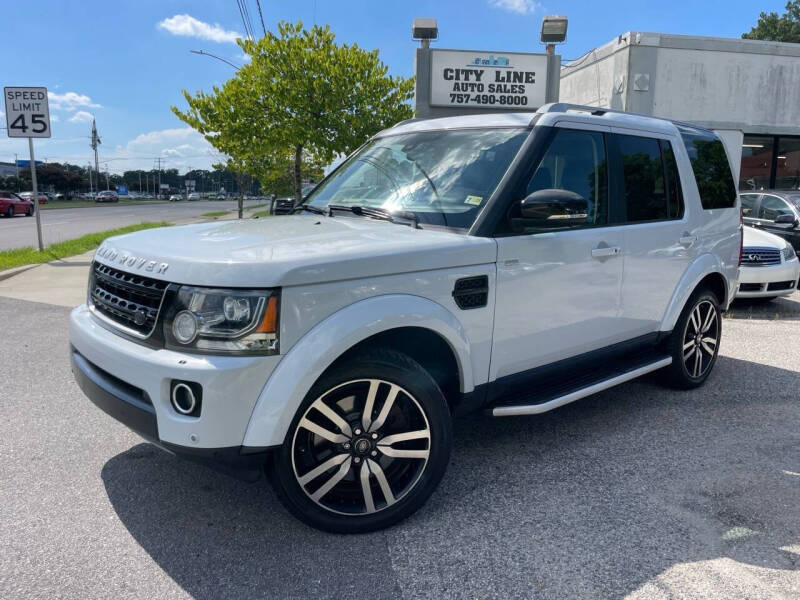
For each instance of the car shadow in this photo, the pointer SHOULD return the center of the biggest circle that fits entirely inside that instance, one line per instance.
(782, 308)
(592, 500)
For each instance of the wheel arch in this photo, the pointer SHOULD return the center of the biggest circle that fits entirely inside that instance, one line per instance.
(392, 318)
(706, 271)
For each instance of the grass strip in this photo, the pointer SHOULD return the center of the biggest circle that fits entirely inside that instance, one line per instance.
(18, 257)
(218, 213)
(57, 204)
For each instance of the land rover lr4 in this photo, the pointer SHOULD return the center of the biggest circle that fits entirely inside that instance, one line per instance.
(510, 263)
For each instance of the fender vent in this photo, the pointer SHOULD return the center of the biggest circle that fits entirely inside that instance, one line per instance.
(471, 292)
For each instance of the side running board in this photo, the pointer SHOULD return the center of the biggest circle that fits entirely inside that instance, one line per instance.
(535, 409)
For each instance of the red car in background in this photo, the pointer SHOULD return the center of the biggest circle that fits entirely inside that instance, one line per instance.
(11, 204)
(29, 196)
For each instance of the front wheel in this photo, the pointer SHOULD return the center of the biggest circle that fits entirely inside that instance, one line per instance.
(10, 211)
(30, 211)
(694, 343)
(368, 446)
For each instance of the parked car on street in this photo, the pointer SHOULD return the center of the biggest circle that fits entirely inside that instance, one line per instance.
(193, 196)
(175, 198)
(11, 204)
(770, 267)
(509, 263)
(774, 211)
(107, 196)
(29, 196)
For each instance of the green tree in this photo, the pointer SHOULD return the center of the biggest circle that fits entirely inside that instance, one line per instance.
(778, 28)
(302, 97)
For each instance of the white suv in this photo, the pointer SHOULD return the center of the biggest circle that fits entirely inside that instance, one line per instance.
(511, 263)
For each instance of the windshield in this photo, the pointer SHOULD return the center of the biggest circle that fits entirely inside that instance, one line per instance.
(443, 177)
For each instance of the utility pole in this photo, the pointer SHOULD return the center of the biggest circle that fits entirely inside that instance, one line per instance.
(107, 186)
(159, 177)
(16, 165)
(140, 182)
(91, 187)
(95, 143)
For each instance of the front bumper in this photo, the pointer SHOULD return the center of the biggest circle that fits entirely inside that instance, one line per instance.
(755, 282)
(132, 383)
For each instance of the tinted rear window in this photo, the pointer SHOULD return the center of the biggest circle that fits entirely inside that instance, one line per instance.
(712, 171)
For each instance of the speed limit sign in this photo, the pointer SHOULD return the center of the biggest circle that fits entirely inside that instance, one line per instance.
(27, 112)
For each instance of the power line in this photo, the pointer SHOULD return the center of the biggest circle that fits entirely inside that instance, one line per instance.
(204, 53)
(261, 16)
(245, 20)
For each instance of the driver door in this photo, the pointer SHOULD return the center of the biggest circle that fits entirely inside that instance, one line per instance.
(558, 290)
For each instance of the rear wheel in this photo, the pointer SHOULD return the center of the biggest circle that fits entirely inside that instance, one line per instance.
(694, 343)
(10, 211)
(367, 447)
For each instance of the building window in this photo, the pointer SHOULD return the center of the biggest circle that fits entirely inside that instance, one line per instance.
(770, 162)
(756, 170)
(787, 167)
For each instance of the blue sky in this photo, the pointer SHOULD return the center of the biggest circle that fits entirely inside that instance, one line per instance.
(126, 61)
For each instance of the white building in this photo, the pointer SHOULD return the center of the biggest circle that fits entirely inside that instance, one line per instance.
(747, 90)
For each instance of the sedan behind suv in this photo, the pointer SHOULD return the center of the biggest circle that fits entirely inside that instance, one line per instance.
(774, 211)
(769, 266)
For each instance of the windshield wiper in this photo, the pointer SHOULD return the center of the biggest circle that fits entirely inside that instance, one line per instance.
(309, 208)
(377, 213)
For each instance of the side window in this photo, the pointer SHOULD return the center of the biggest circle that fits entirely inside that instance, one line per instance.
(712, 171)
(645, 185)
(674, 190)
(748, 204)
(569, 188)
(771, 207)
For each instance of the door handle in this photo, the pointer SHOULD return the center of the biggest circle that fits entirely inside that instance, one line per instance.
(605, 251)
(687, 240)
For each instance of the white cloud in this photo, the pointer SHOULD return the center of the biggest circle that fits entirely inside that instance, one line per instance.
(70, 101)
(522, 7)
(81, 117)
(53, 118)
(188, 26)
(179, 148)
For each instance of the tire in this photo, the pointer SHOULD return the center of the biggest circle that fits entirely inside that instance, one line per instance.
(370, 484)
(29, 213)
(10, 211)
(688, 370)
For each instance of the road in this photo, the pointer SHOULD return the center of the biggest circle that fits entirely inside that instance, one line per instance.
(68, 223)
(638, 492)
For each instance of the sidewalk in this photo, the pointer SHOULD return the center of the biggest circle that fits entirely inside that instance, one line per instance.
(62, 282)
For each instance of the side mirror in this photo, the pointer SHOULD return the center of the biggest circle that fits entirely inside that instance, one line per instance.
(555, 208)
(785, 219)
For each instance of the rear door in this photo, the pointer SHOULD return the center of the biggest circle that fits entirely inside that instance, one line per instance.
(660, 241)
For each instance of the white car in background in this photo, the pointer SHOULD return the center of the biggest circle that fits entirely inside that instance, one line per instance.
(770, 267)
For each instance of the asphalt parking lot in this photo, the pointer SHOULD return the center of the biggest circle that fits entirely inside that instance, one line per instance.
(637, 492)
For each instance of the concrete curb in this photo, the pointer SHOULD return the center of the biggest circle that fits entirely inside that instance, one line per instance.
(9, 273)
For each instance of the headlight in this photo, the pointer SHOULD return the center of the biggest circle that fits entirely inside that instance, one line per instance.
(220, 321)
(788, 253)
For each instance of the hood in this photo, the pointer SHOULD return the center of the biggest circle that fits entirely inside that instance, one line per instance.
(290, 250)
(757, 237)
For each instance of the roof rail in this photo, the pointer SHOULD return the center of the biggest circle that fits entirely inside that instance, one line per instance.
(565, 107)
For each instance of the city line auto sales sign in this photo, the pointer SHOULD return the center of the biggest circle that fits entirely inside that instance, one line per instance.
(488, 79)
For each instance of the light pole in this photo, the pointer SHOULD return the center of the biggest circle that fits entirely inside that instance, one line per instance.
(16, 165)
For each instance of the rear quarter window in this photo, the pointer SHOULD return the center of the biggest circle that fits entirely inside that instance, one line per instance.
(711, 167)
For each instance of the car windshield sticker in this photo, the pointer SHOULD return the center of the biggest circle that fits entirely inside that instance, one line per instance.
(474, 200)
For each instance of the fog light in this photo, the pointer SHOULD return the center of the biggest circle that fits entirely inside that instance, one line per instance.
(183, 399)
(184, 327)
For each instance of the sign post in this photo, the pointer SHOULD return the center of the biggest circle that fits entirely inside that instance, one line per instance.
(28, 115)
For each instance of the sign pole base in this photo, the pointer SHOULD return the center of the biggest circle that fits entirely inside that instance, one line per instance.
(36, 208)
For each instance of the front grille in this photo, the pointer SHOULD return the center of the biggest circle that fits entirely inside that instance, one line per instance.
(758, 255)
(780, 285)
(128, 300)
